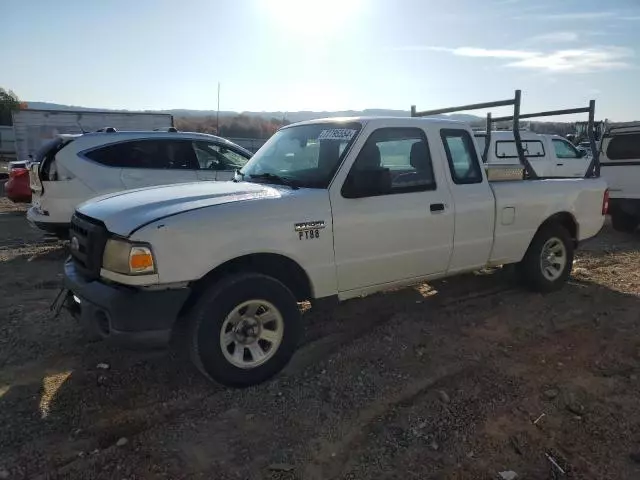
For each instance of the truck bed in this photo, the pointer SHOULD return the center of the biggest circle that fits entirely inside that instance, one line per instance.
(521, 206)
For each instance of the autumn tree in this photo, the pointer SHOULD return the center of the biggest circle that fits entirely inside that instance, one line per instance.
(233, 126)
(9, 102)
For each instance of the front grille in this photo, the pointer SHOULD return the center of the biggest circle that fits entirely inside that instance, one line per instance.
(88, 238)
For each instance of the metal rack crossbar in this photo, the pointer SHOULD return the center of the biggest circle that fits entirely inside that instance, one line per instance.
(594, 166)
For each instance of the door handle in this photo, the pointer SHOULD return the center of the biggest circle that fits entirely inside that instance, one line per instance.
(559, 164)
(436, 207)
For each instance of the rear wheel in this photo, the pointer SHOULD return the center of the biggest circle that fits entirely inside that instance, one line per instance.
(244, 329)
(547, 264)
(623, 222)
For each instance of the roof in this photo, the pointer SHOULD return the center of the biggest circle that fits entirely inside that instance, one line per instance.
(427, 120)
(160, 133)
(134, 135)
(508, 135)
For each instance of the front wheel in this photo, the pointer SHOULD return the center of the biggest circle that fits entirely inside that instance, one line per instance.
(244, 329)
(547, 264)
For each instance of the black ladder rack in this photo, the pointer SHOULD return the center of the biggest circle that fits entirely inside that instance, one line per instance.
(594, 167)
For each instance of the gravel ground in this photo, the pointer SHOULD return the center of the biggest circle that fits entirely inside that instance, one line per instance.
(460, 379)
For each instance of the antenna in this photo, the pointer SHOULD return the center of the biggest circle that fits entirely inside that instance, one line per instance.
(80, 125)
(218, 113)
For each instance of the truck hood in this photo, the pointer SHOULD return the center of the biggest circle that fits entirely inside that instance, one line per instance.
(126, 211)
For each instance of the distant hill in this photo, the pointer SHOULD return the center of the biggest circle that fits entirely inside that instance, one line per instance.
(289, 116)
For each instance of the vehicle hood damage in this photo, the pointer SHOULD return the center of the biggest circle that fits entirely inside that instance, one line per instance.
(124, 212)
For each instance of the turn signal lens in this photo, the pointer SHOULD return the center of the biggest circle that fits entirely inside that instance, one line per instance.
(141, 260)
(127, 258)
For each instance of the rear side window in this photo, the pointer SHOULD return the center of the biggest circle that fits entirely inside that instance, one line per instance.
(507, 149)
(624, 147)
(461, 155)
(151, 154)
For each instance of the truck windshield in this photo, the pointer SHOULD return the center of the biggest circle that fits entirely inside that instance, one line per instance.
(305, 155)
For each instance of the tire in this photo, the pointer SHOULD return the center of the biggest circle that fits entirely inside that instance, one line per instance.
(623, 222)
(238, 304)
(552, 242)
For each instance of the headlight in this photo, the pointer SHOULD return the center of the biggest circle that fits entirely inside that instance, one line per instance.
(128, 258)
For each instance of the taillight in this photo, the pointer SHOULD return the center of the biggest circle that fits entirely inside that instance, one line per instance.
(18, 172)
(605, 202)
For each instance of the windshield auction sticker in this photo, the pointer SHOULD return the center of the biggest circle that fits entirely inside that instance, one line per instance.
(337, 134)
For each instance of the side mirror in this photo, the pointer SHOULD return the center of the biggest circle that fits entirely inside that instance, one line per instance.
(581, 153)
(367, 183)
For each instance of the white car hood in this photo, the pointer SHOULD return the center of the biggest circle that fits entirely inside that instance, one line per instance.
(126, 211)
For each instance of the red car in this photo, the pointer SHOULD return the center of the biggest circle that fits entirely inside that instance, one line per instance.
(17, 188)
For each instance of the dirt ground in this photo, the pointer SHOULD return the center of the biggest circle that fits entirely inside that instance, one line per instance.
(463, 379)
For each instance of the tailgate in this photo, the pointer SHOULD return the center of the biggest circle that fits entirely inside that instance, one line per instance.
(620, 160)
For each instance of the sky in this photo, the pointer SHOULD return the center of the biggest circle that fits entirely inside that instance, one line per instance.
(323, 55)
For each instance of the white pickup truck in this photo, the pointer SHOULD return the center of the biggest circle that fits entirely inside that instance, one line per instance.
(326, 209)
(549, 155)
(620, 150)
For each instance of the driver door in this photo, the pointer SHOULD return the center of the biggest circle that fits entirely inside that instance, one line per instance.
(569, 162)
(400, 233)
(217, 162)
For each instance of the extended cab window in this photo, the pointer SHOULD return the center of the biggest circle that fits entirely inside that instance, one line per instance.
(461, 155)
(216, 157)
(565, 149)
(624, 147)
(398, 155)
(152, 154)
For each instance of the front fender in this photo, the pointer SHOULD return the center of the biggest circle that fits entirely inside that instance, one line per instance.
(189, 245)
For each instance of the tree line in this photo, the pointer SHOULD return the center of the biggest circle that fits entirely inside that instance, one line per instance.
(9, 102)
(238, 126)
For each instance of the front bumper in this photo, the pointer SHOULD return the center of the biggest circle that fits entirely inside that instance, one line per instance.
(124, 315)
(46, 223)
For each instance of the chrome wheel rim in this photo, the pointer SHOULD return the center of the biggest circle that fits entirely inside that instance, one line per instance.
(553, 259)
(251, 333)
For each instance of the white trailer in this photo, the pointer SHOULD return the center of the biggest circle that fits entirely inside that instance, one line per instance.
(32, 128)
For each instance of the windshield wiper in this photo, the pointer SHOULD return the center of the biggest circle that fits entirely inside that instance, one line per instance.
(277, 178)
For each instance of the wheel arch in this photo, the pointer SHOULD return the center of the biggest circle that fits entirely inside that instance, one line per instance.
(567, 220)
(282, 268)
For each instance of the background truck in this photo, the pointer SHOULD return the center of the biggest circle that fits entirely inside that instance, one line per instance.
(325, 210)
(33, 128)
(549, 155)
(620, 150)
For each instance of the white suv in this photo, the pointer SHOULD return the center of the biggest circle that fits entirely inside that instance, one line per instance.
(74, 168)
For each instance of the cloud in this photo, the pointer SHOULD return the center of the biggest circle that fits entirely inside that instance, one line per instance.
(570, 16)
(559, 61)
(582, 16)
(578, 60)
(487, 53)
(554, 37)
(468, 51)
